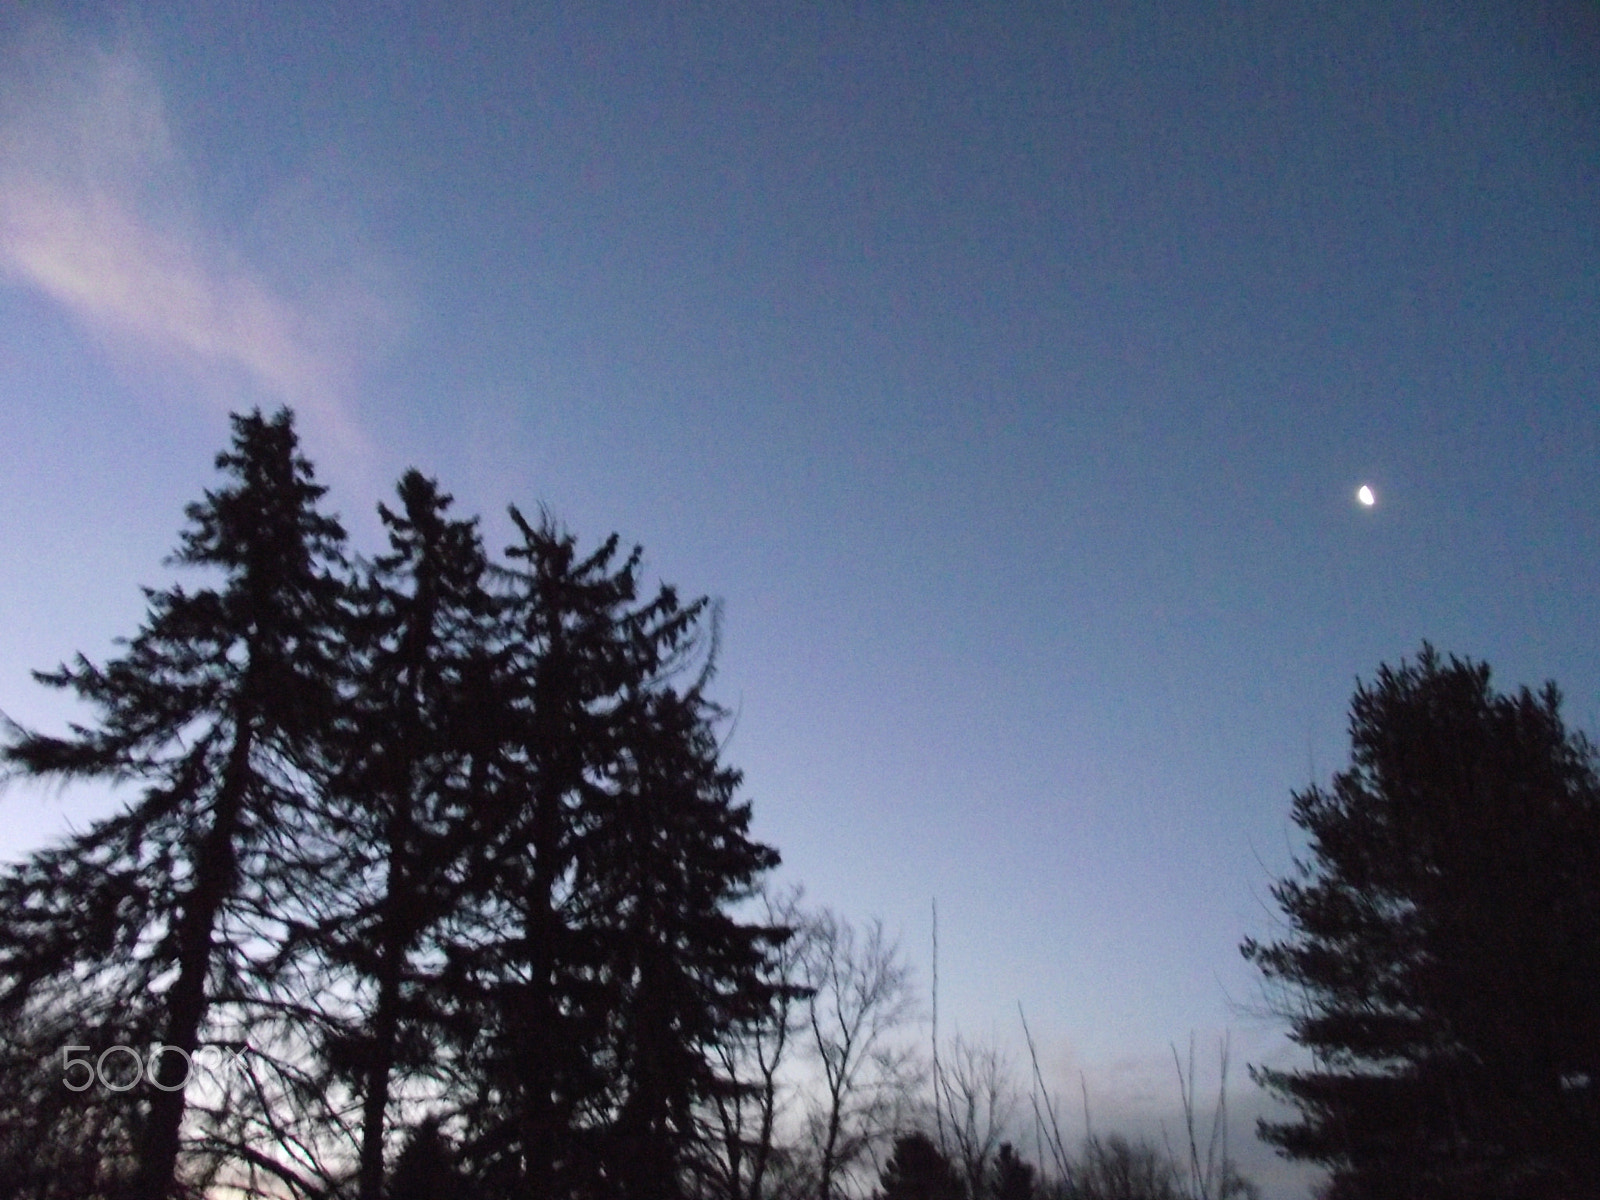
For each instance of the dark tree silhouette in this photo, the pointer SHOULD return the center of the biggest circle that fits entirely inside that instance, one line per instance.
(916, 1170)
(212, 707)
(400, 786)
(1443, 961)
(1014, 1178)
(425, 1168)
(435, 837)
(673, 855)
(528, 961)
(601, 961)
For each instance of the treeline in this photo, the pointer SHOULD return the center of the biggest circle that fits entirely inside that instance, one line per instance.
(432, 883)
(431, 840)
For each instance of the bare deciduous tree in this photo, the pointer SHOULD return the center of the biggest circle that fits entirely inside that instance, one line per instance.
(1213, 1175)
(750, 1162)
(979, 1097)
(1113, 1168)
(861, 999)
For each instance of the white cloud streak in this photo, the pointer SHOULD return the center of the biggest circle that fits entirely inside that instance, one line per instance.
(98, 212)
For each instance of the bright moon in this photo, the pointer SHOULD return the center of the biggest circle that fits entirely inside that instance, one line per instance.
(1364, 494)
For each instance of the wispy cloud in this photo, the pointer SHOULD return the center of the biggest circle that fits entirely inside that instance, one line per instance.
(100, 211)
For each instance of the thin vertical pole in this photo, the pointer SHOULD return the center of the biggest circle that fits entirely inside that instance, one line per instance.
(938, 1094)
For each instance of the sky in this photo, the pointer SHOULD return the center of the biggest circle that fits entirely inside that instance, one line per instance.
(1007, 373)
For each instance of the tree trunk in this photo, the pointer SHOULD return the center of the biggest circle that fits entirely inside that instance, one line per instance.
(385, 1022)
(186, 1002)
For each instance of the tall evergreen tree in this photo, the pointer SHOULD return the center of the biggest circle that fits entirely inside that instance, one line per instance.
(603, 956)
(526, 959)
(412, 830)
(671, 856)
(213, 707)
(398, 790)
(1443, 961)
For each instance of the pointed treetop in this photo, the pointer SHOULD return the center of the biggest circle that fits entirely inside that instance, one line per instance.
(272, 504)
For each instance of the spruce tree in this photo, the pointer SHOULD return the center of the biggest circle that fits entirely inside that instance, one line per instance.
(1443, 956)
(605, 960)
(214, 708)
(526, 961)
(672, 858)
(398, 788)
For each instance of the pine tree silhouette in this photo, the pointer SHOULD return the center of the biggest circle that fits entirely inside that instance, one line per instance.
(1445, 947)
(601, 963)
(213, 708)
(421, 620)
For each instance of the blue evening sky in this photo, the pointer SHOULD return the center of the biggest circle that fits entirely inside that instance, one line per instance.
(1007, 371)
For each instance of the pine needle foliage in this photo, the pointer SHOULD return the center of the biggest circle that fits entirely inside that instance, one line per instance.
(446, 844)
(1443, 956)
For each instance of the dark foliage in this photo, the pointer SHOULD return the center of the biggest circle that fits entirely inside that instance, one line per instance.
(149, 916)
(603, 964)
(435, 836)
(1443, 964)
(56, 1144)
(400, 786)
(916, 1170)
(1014, 1178)
(426, 1168)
